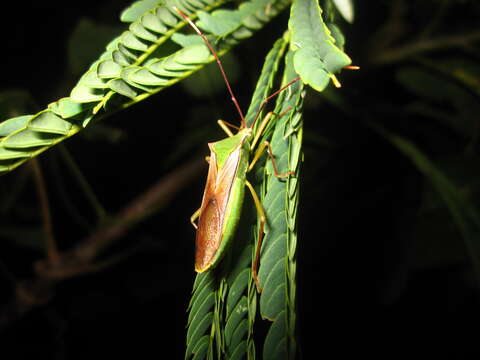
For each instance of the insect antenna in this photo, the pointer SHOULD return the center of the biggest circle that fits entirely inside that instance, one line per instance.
(268, 98)
(224, 75)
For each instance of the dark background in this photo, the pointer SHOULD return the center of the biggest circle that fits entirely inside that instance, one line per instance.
(377, 275)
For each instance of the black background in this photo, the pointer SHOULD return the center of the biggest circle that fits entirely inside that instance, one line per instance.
(362, 290)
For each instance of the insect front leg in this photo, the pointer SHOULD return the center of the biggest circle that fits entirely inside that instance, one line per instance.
(266, 146)
(225, 127)
(194, 217)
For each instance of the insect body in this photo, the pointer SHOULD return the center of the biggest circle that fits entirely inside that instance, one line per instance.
(222, 201)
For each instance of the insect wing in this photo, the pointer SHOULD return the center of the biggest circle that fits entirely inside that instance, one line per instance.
(212, 214)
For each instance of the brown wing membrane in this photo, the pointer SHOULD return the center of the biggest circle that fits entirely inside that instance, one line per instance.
(212, 214)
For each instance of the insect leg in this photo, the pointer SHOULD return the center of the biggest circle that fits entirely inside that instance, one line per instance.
(262, 127)
(267, 99)
(264, 123)
(194, 217)
(259, 152)
(224, 125)
(263, 220)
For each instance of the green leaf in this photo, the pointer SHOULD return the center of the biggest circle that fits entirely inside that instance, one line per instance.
(201, 311)
(237, 319)
(145, 77)
(279, 196)
(311, 69)
(274, 299)
(239, 351)
(87, 41)
(275, 346)
(9, 126)
(345, 8)
(239, 335)
(186, 40)
(194, 54)
(337, 34)
(137, 9)
(250, 14)
(195, 334)
(48, 122)
(153, 23)
(91, 80)
(141, 32)
(221, 22)
(145, 45)
(265, 81)
(121, 87)
(130, 41)
(237, 289)
(27, 139)
(316, 55)
(166, 16)
(108, 69)
(66, 108)
(85, 94)
(201, 308)
(6, 154)
(200, 351)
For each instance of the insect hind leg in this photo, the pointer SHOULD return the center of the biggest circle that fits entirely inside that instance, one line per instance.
(262, 219)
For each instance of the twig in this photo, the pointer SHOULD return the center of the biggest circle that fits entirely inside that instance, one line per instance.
(446, 42)
(14, 191)
(51, 246)
(82, 181)
(392, 29)
(144, 205)
(80, 260)
(74, 214)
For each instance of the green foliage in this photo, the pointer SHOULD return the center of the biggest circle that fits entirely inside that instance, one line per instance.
(316, 57)
(434, 126)
(137, 64)
(153, 54)
(277, 272)
(346, 9)
(278, 261)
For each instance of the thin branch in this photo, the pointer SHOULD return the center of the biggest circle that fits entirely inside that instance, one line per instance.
(39, 290)
(15, 190)
(435, 20)
(391, 30)
(82, 181)
(64, 196)
(421, 46)
(51, 245)
(143, 206)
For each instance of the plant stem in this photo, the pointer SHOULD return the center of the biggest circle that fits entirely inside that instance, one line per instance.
(400, 53)
(51, 246)
(143, 206)
(38, 290)
(82, 181)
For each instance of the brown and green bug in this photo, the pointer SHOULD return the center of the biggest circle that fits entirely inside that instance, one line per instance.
(229, 163)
